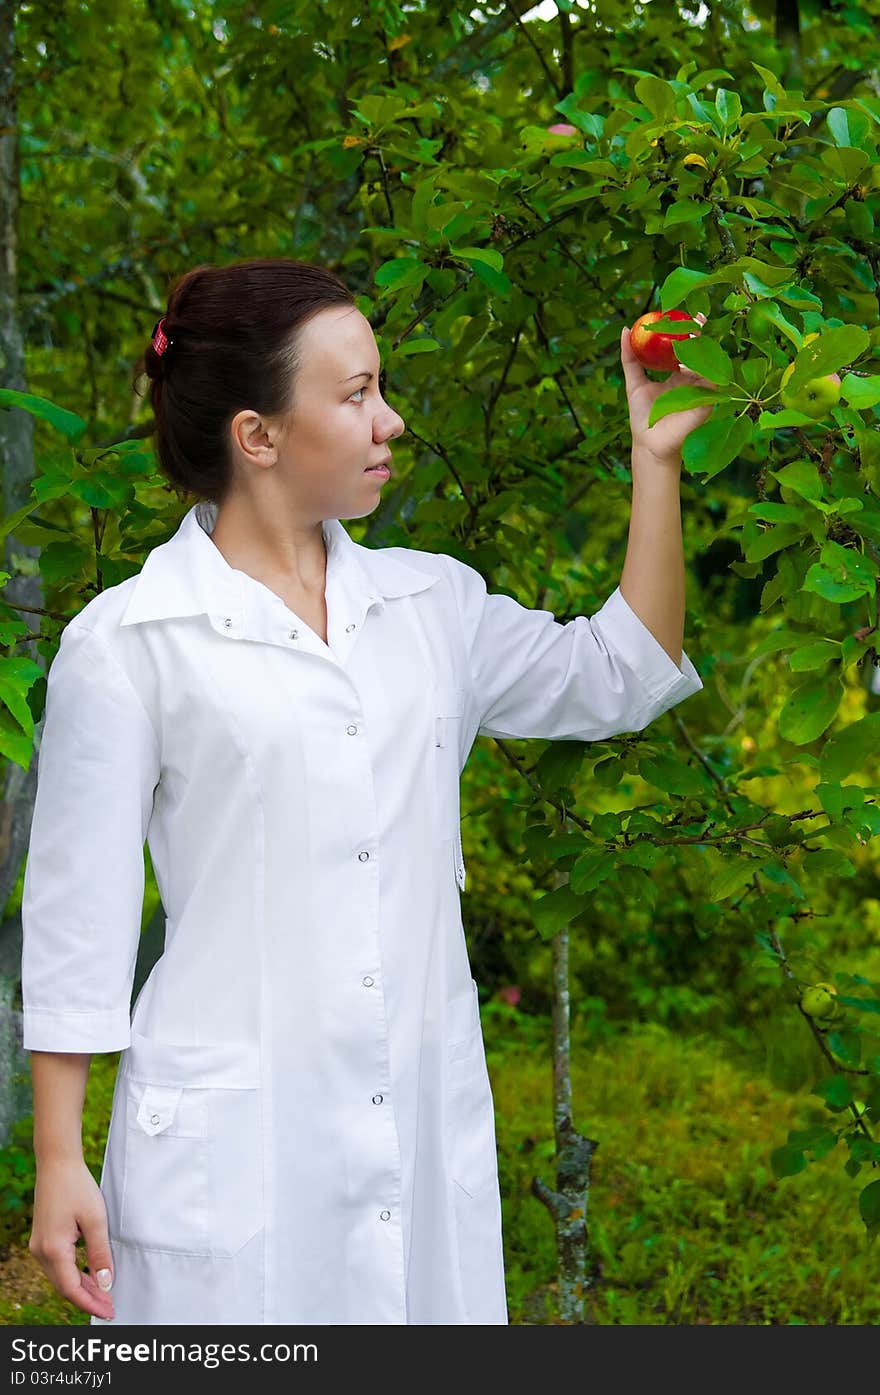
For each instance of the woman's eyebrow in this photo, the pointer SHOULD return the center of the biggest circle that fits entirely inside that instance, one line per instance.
(362, 374)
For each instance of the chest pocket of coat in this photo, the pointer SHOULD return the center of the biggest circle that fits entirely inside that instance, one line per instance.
(448, 713)
(191, 1167)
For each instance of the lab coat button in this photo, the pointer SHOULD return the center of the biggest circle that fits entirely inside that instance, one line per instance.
(362, 856)
(228, 621)
(292, 634)
(348, 629)
(154, 1118)
(377, 1099)
(385, 1215)
(352, 730)
(367, 981)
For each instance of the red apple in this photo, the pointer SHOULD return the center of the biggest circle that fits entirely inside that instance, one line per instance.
(658, 350)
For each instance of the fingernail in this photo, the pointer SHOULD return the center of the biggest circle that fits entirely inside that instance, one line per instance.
(104, 1278)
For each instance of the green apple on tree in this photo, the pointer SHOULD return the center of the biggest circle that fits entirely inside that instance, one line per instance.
(820, 1000)
(817, 396)
(759, 321)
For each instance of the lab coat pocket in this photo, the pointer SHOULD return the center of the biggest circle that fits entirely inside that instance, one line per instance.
(449, 712)
(470, 1114)
(192, 1170)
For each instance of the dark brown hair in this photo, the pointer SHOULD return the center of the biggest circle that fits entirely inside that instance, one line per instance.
(235, 346)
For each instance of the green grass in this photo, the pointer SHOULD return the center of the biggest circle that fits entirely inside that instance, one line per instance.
(687, 1223)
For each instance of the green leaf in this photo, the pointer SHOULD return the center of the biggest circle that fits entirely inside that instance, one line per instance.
(416, 346)
(736, 873)
(643, 853)
(401, 272)
(556, 910)
(377, 109)
(798, 298)
(841, 574)
(635, 884)
(706, 114)
(771, 540)
(802, 477)
(559, 764)
(831, 863)
(729, 107)
(766, 312)
(14, 744)
(830, 351)
(846, 1045)
(844, 163)
(835, 1090)
(608, 772)
(686, 211)
(818, 1140)
(679, 399)
(497, 281)
(815, 655)
(11, 522)
(17, 675)
(780, 638)
(712, 446)
(770, 81)
(775, 513)
(831, 587)
(674, 776)
(679, 284)
(861, 1004)
(591, 868)
(786, 1161)
(853, 748)
(68, 423)
(786, 416)
(860, 393)
(706, 357)
(869, 1205)
(848, 127)
(656, 95)
(859, 219)
(489, 256)
(559, 845)
(810, 709)
(666, 325)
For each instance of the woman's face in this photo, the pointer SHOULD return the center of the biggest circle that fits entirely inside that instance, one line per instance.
(339, 426)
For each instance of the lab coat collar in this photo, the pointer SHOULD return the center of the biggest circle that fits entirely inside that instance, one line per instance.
(188, 574)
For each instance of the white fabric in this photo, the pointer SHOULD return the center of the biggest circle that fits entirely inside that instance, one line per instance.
(302, 1127)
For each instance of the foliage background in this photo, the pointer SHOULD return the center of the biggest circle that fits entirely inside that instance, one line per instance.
(407, 147)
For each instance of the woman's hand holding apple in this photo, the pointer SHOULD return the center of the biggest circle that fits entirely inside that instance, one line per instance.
(663, 441)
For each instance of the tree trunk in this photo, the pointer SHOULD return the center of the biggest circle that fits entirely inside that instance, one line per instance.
(568, 1203)
(24, 586)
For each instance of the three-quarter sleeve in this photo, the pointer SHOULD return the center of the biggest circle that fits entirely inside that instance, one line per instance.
(82, 901)
(586, 680)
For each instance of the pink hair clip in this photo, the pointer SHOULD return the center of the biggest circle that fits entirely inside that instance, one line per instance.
(161, 342)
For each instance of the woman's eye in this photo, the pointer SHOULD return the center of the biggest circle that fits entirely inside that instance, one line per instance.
(382, 381)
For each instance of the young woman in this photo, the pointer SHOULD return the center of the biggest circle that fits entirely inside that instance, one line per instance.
(302, 1124)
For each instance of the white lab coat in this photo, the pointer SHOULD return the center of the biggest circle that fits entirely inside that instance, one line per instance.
(302, 1127)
